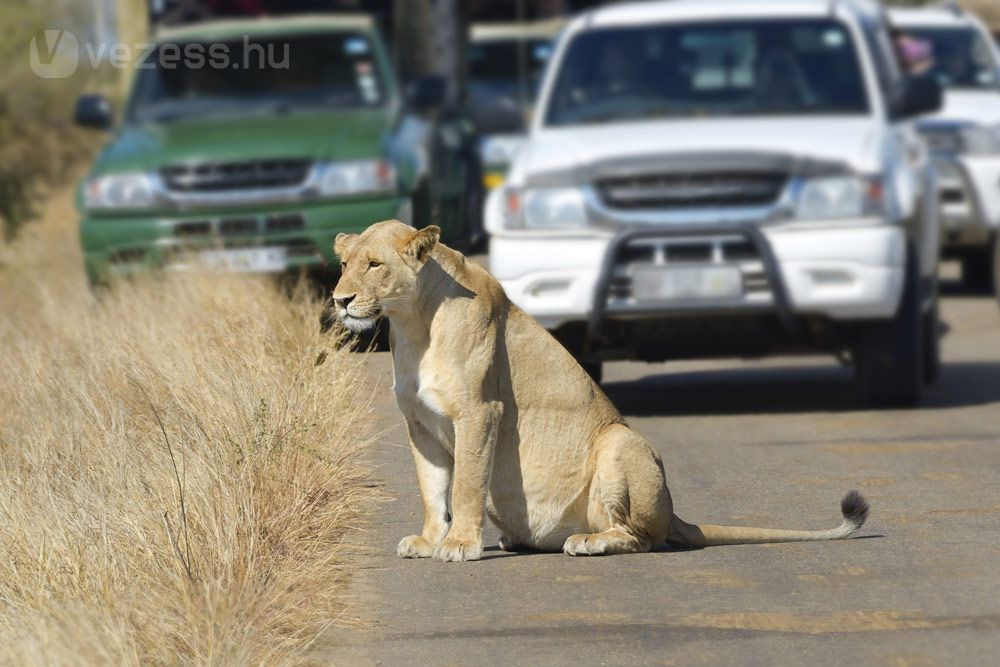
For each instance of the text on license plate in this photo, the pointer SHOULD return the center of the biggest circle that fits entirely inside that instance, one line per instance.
(245, 259)
(668, 283)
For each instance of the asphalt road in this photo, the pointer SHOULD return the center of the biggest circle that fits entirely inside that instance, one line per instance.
(770, 443)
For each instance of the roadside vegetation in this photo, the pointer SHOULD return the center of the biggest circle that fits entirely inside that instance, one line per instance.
(179, 465)
(39, 145)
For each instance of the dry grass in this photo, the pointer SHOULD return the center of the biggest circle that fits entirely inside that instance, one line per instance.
(177, 474)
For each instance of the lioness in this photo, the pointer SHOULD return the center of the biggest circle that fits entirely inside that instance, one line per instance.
(499, 411)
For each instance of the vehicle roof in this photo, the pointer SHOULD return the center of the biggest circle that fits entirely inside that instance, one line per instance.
(482, 32)
(266, 25)
(680, 10)
(934, 17)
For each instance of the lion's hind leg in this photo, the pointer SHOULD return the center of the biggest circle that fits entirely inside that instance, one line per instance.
(629, 508)
(615, 540)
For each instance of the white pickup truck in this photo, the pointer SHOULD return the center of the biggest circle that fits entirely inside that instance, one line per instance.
(720, 178)
(964, 136)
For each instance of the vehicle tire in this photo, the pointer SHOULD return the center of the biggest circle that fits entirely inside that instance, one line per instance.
(889, 355)
(978, 270)
(996, 264)
(595, 369)
(932, 345)
(473, 203)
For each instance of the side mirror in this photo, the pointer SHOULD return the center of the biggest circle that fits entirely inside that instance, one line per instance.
(93, 111)
(917, 96)
(427, 93)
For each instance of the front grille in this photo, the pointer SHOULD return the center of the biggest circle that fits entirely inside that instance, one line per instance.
(224, 176)
(709, 251)
(676, 191)
(237, 226)
(723, 250)
(283, 223)
(193, 228)
(952, 196)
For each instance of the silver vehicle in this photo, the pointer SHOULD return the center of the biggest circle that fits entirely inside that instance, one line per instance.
(964, 135)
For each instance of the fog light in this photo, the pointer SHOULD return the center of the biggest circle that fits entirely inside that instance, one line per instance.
(549, 288)
(831, 277)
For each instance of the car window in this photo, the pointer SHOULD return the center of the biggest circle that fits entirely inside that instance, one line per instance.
(504, 77)
(708, 69)
(335, 70)
(962, 57)
(499, 60)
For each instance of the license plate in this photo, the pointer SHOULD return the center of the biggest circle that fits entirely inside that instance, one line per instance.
(260, 260)
(677, 283)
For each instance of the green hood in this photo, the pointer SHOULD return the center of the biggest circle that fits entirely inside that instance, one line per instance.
(340, 135)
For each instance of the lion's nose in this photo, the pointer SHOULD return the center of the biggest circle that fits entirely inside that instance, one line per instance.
(343, 301)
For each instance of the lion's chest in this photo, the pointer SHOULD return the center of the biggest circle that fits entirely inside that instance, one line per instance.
(420, 395)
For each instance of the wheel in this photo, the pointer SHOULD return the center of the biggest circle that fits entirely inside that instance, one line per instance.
(978, 269)
(595, 369)
(474, 201)
(932, 345)
(889, 356)
(996, 264)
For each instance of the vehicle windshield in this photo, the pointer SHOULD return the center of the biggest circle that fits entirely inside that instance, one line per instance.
(503, 80)
(501, 62)
(256, 76)
(708, 69)
(961, 57)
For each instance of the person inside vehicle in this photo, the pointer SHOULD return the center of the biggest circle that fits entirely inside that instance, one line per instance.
(619, 72)
(781, 83)
(915, 56)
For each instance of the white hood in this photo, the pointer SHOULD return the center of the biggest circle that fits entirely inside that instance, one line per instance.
(980, 107)
(855, 141)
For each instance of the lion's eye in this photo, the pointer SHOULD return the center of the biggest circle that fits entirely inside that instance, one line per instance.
(343, 265)
(374, 265)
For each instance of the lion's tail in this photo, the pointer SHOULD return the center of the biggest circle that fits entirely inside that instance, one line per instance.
(854, 507)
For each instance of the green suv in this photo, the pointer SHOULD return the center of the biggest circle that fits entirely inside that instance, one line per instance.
(248, 145)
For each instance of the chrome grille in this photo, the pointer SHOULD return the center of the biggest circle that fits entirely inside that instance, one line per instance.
(223, 176)
(709, 251)
(670, 191)
(283, 223)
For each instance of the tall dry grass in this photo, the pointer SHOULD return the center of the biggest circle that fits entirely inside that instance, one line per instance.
(177, 473)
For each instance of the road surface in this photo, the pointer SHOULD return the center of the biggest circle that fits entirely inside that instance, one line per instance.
(769, 443)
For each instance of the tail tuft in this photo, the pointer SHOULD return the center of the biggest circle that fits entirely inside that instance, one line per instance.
(854, 507)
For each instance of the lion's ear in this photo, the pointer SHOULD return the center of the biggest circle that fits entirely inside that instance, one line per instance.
(419, 244)
(343, 242)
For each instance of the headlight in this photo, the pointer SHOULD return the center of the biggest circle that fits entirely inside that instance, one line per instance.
(981, 140)
(358, 177)
(120, 191)
(838, 197)
(544, 208)
(499, 149)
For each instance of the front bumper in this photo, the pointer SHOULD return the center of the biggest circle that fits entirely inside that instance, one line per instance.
(125, 245)
(842, 271)
(970, 198)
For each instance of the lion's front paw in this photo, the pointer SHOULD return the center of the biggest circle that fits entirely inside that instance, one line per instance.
(414, 546)
(454, 550)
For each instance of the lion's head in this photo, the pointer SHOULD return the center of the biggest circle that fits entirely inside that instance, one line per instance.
(379, 270)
